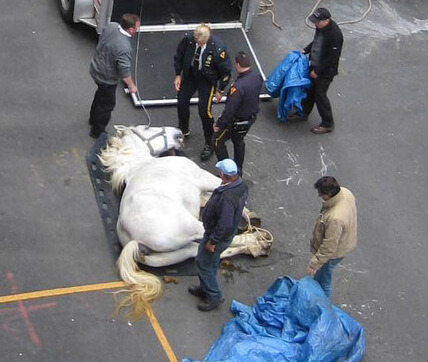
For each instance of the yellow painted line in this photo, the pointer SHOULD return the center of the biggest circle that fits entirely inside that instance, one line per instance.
(91, 288)
(60, 291)
(161, 336)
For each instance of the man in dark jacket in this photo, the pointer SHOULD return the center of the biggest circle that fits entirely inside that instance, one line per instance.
(220, 217)
(324, 50)
(201, 63)
(111, 62)
(240, 112)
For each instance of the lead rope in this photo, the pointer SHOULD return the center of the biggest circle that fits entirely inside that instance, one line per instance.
(264, 234)
(136, 67)
(369, 8)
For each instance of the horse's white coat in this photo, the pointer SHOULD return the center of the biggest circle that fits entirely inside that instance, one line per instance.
(161, 201)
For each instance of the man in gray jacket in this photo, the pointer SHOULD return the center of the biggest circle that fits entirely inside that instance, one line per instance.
(111, 62)
(335, 230)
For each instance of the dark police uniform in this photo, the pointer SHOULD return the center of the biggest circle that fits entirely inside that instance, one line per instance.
(242, 106)
(215, 72)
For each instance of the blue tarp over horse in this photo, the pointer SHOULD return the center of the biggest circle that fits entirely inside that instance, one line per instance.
(293, 321)
(289, 81)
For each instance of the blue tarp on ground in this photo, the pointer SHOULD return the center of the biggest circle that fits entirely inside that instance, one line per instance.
(293, 321)
(289, 81)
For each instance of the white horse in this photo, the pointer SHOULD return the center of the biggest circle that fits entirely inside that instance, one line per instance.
(158, 220)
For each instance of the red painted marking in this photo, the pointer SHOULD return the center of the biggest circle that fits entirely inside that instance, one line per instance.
(22, 312)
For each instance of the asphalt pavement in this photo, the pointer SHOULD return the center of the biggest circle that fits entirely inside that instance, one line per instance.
(52, 233)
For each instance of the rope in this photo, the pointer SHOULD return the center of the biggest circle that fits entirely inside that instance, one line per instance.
(136, 67)
(254, 229)
(369, 8)
(267, 7)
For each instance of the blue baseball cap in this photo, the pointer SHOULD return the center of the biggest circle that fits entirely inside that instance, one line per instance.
(227, 166)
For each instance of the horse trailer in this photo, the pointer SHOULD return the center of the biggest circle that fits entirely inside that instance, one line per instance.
(163, 23)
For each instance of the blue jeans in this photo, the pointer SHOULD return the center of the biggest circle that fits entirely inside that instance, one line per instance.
(207, 265)
(324, 274)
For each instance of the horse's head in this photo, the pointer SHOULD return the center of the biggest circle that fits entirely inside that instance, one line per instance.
(157, 139)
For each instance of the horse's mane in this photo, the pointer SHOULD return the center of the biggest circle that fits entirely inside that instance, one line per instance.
(119, 159)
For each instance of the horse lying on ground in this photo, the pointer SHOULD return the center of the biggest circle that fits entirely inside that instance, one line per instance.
(158, 222)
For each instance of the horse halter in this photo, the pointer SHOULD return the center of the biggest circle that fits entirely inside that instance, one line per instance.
(148, 140)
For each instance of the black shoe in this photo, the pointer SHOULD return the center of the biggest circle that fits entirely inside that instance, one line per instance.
(94, 134)
(206, 152)
(205, 306)
(197, 291)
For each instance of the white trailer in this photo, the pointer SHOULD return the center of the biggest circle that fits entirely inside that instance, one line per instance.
(165, 17)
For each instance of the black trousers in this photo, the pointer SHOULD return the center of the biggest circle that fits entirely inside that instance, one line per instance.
(102, 106)
(236, 134)
(317, 94)
(189, 84)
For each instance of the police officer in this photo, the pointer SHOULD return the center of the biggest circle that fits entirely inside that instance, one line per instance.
(201, 63)
(242, 106)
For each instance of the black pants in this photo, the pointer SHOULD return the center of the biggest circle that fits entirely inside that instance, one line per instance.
(189, 84)
(317, 94)
(102, 106)
(236, 133)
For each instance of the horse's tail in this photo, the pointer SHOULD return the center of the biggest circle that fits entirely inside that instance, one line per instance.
(145, 287)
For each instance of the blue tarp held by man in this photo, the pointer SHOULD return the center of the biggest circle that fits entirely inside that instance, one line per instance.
(293, 321)
(289, 81)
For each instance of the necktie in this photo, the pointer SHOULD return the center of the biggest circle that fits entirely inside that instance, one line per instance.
(196, 58)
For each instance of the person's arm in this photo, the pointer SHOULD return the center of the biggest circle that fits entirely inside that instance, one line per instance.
(130, 84)
(179, 62)
(329, 245)
(334, 49)
(224, 226)
(307, 49)
(234, 100)
(224, 68)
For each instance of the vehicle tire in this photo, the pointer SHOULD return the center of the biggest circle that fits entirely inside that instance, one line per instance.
(66, 9)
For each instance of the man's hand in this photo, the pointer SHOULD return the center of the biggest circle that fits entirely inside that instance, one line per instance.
(177, 82)
(313, 75)
(130, 84)
(217, 97)
(215, 127)
(209, 246)
(133, 88)
(311, 271)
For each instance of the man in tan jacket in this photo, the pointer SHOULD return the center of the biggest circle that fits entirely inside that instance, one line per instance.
(335, 230)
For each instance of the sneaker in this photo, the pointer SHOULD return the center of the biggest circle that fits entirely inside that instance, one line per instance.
(206, 152)
(197, 291)
(206, 306)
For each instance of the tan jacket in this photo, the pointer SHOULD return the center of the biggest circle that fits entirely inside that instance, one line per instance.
(335, 230)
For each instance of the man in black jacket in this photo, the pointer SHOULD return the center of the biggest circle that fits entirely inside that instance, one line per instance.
(324, 50)
(220, 218)
(201, 63)
(240, 112)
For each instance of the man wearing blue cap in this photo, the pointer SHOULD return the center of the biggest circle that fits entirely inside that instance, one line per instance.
(220, 218)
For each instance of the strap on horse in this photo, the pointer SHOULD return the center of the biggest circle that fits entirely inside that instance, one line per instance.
(148, 140)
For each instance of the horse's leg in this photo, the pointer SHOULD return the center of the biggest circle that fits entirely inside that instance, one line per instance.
(170, 257)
